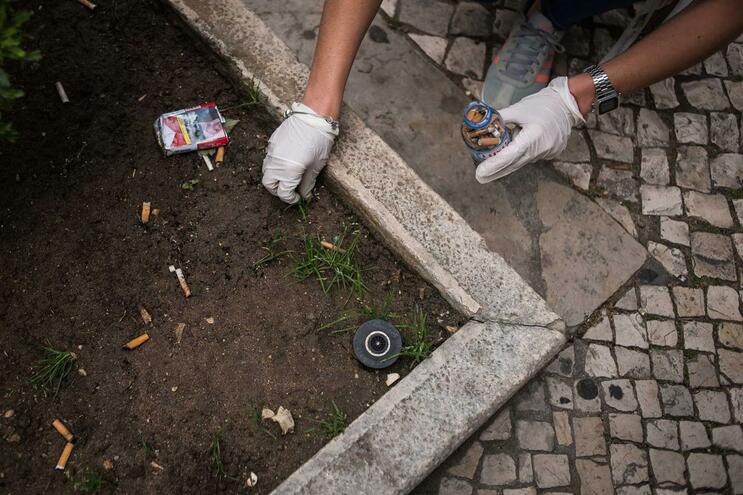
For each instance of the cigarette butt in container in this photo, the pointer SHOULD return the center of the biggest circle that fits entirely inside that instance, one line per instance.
(88, 4)
(146, 317)
(65, 456)
(62, 429)
(145, 212)
(62, 92)
(134, 343)
(220, 155)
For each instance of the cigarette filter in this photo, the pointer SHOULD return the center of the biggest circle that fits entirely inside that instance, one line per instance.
(331, 246)
(145, 212)
(88, 4)
(182, 280)
(65, 456)
(62, 429)
(134, 343)
(208, 162)
(62, 92)
(220, 155)
(179, 332)
(146, 318)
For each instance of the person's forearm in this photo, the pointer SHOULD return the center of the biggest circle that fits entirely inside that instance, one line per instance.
(342, 27)
(691, 36)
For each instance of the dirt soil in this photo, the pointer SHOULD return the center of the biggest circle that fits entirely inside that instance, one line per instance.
(77, 263)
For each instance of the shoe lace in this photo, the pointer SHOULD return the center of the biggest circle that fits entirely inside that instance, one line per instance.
(529, 43)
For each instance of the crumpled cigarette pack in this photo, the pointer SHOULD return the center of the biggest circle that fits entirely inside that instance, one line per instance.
(191, 129)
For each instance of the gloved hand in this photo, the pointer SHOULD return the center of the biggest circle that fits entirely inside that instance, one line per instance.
(546, 119)
(297, 151)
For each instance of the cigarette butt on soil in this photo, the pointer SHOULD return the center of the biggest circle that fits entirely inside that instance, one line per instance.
(145, 212)
(179, 332)
(184, 285)
(88, 4)
(208, 162)
(452, 329)
(65, 456)
(220, 155)
(134, 343)
(142, 97)
(146, 317)
(62, 92)
(331, 246)
(62, 429)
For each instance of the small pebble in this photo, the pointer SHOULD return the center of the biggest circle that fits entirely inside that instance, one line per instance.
(392, 378)
(9, 413)
(174, 389)
(82, 372)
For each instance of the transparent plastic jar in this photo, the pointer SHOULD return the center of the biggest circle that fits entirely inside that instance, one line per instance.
(484, 131)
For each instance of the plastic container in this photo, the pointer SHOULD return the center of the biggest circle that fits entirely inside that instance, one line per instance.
(484, 131)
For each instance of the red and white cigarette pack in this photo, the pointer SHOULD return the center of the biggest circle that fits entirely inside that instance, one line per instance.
(191, 129)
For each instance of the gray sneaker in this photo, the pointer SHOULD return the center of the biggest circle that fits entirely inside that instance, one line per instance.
(523, 64)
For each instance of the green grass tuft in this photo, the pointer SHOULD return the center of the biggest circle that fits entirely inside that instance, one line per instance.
(334, 424)
(274, 251)
(419, 347)
(331, 267)
(90, 481)
(52, 369)
(383, 312)
(215, 455)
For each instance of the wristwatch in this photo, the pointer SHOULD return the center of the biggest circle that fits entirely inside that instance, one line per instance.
(607, 98)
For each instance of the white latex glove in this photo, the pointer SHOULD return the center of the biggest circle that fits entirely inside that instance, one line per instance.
(297, 151)
(546, 119)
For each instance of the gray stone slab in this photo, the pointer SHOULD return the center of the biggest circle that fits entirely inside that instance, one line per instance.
(425, 411)
(415, 108)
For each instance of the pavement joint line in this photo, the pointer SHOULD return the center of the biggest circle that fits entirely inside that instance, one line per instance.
(512, 333)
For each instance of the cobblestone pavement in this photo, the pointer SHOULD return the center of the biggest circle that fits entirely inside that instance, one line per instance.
(649, 396)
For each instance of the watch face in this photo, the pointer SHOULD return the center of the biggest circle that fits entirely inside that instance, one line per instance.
(608, 105)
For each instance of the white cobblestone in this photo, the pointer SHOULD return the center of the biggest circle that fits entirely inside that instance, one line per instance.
(630, 330)
(672, 259)
(691, 128)
(706, 94)
(689, 301)
(661, 200)
(654, 166)
(712, 406)
(724, 131)
(692, 168)
(727, 170)
(656, 300)
(664, 94)
(693, 435)
(466, 57)
(663, 333)
(715, 65)
(651, 130)
(712, 208)
(611, 147)
(674, 231)
(433, 46)
(723, 304)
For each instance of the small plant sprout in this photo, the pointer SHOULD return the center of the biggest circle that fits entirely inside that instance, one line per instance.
(419, 347)
(331, 267)
(189, 185)
(273, 251)
(334, 424)
(52, 369)
(89, 481)
(215, 454)
(253, 92)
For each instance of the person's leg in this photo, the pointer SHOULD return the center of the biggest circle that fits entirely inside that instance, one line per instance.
(522, 66)
(566, 13)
